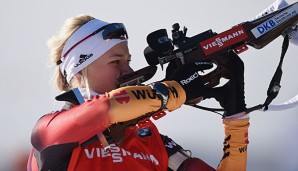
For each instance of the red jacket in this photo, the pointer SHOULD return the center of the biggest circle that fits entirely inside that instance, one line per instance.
(57, 138)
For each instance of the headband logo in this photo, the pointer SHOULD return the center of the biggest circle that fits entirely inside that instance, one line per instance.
(83, 58)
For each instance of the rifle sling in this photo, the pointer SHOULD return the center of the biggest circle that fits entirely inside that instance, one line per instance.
(274, 85)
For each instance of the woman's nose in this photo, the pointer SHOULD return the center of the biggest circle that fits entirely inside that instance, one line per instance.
(126, 70)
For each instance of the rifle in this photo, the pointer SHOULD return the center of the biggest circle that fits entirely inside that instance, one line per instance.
(206, 46)
(212, 47)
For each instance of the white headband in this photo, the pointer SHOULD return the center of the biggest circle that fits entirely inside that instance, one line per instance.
(87, 51)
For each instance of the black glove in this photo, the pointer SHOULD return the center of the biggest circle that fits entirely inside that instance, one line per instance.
(231, 95)
(187, 76)
(172, 66)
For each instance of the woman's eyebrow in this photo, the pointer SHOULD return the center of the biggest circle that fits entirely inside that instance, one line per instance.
(120, 55)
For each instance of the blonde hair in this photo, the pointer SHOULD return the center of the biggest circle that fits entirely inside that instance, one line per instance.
(56, 45)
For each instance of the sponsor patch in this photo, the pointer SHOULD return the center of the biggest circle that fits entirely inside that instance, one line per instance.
(121, 97)
(275, 21)
(144, 94)
(119, 155)
(189, 79)
(223, 40)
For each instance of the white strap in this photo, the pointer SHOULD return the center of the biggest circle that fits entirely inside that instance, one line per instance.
(284, 106)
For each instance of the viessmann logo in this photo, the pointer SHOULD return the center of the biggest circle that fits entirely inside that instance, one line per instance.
(118, 155)
(224, 39)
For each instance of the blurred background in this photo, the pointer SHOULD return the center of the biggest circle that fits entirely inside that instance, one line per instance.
(27, 92)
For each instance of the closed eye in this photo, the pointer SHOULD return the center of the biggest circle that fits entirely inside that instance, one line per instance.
(115, 62)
